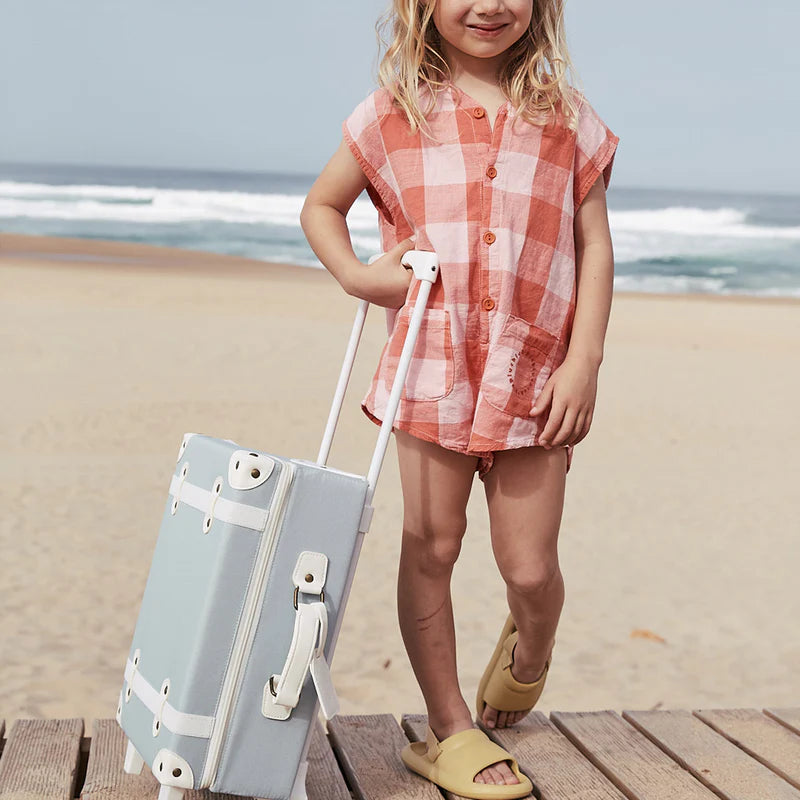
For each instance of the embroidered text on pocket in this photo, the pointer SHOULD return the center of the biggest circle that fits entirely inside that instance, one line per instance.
(518, 366)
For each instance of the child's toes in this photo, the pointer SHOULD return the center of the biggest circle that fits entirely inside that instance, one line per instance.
(490, 716)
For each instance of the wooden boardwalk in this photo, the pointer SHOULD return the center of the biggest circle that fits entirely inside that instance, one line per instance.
(735, 754)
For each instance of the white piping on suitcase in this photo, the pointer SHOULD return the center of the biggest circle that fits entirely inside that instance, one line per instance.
(245, 631)
(241, 514)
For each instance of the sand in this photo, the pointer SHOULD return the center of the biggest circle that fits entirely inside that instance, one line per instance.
(680, 520)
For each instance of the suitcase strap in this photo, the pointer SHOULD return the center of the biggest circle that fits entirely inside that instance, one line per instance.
(307, 650)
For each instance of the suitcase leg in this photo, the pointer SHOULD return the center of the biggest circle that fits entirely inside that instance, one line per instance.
(299, 787)
(133, 761)
(170, 792)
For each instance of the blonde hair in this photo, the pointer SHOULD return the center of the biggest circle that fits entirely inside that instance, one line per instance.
(413, 57)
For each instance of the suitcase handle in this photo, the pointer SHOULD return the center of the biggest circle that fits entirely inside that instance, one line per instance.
(306, 654)
(425, 264)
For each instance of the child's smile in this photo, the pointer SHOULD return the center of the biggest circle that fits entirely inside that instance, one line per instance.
(484, 29)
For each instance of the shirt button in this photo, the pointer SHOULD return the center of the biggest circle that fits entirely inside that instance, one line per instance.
(491, 172)
(489, 237)
(488, 303)
(478, 112)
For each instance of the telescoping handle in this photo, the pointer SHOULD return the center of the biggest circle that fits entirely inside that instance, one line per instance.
(425, 264)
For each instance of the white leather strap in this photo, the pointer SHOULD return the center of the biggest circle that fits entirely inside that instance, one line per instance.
(176, 721)
(241, 514)
(310, 572)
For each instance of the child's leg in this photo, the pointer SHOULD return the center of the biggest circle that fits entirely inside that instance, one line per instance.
(436, 484)
(525, 494)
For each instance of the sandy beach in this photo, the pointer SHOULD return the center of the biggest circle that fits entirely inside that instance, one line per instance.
(680, 540)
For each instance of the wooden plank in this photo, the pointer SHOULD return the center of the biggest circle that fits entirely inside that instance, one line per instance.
(40, 759)
(711, 758)
(325, 780)
(368, 747)
(766, 740)
(556, 768)
(106, 778)
(104, 774)
(639, 769)
(790, 717)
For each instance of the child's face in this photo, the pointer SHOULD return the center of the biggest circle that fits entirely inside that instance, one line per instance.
(457, 21)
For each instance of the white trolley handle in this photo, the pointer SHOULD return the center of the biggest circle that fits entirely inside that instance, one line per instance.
(425, 264)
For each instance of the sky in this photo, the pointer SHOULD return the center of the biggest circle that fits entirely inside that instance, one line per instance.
(702, 93)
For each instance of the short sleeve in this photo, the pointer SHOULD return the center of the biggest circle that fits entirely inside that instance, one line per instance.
(595, 148)
(362, 131)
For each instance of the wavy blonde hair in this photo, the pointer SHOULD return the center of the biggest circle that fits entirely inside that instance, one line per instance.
(533, 76)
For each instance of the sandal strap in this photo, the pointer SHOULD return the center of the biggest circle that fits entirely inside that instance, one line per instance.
(472, 746)
(503, 691)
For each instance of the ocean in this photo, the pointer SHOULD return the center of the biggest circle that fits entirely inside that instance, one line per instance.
(664, 240)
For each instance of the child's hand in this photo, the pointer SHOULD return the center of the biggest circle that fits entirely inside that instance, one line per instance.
(572, 388)
(385, 281)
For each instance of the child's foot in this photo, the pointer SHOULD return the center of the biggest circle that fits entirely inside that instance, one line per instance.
(499, 772)
(524, 673)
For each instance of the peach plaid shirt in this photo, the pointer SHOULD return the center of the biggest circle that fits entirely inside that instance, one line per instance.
(497, 205)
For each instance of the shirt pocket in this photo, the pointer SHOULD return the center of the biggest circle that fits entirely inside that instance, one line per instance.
(518, 366)
(431, 371)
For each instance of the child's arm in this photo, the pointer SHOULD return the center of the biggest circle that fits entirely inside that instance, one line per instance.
(323, 220)
(594, 265)
(572, 387)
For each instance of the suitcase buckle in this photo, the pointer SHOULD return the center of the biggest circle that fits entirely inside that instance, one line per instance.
(297, 591)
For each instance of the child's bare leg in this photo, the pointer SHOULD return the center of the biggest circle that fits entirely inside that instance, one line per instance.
(525, 494)
(436, 485)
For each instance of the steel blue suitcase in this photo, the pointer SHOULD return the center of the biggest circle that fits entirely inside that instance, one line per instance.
(256, 553)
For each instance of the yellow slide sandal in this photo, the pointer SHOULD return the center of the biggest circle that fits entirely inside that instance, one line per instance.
(498, 687)
(454, 762)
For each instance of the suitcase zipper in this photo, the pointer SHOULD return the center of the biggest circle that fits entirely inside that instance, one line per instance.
(244, 637)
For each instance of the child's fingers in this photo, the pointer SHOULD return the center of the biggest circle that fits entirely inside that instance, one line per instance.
(577, 429)
(553, 423)
(405, 244)
(566, 429)
(543, 400)
(587, 423)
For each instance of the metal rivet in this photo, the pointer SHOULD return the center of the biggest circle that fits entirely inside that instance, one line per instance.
(255, 472)
(177, 772)
(309, 577)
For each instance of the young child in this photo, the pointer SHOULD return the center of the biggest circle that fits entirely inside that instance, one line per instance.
(477, 148)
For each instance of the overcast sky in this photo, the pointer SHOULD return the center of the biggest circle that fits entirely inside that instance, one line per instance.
(702, 93)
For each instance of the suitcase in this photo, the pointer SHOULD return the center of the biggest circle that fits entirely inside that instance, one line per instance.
(252, 567)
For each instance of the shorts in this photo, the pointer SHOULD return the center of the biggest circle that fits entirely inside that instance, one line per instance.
(485, 461)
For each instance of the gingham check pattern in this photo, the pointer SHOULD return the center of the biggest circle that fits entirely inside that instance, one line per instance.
(497, 205)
